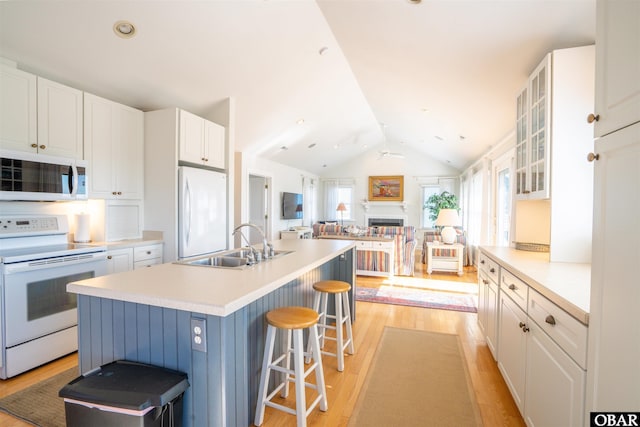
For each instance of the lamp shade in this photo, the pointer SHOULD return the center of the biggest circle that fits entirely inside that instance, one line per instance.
(341, 207)
(448, 218)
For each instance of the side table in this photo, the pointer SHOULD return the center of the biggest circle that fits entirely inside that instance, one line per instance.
(444, 257)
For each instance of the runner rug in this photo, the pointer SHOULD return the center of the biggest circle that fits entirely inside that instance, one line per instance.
(39, 404)
(418, 297)
(417, 378)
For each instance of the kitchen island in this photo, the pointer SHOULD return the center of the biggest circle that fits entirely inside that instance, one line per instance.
(149, 315)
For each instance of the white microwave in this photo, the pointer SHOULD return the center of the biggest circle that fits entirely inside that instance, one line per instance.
(28, 176)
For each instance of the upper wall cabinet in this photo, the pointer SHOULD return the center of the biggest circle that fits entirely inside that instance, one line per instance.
(18, 110)
(59, 120)
(114, 143)
(201, 141)
(548, 119)
(38, 115)
(617, 66)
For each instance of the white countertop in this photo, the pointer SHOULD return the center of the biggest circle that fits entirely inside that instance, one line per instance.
(568, 285)
(216, 291)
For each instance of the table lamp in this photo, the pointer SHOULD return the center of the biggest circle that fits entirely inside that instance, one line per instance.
(448, 218)
(341, 208)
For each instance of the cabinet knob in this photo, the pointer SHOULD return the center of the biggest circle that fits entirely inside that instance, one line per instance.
(492, 270)
(119, 193)
(109, 257)
(482, 262)
(550, 320)
(512, 287)
(148, 252)
(523, 326)
(203, 159)
(591, 157)
(485, 281)
(34, 145)
(114, 193)
(593, 118)
(42, 147)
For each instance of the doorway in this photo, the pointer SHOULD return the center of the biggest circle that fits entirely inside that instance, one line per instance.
(259, 207)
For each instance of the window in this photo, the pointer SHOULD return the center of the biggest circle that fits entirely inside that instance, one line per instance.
(345, 195)
(339, 191)
(428, 191)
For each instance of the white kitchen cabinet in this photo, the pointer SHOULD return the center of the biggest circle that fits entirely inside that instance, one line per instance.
(59, 120)
(613, 382)
(512, 348)
(18, 110)
(302, 233)
(146, 256)
(114, 145)
(541, 355)
(39, 115)
(201, 141)
(555, 384)
(617, 100)
(488, 301)
(549, 123)
(119, 260)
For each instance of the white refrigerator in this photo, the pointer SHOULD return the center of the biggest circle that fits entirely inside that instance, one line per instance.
(202, 212)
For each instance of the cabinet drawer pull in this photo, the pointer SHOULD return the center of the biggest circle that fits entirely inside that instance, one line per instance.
(550, 320)
(593, 118)
(485, 281)
(591, 157)
(148, 252)
(42, 147)
(512, 287)
(482, 262)
(523, 326)
(34, 145)
(109, 257)
(492, 270)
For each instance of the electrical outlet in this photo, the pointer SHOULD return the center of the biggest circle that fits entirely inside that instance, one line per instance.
(198, 335)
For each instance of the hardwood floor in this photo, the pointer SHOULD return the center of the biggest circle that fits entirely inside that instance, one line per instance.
(496, 405)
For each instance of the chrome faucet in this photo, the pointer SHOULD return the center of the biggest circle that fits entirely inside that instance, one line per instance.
(267, 248)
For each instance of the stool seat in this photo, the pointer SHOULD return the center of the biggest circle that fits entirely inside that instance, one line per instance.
(332, 286)
(292, 317)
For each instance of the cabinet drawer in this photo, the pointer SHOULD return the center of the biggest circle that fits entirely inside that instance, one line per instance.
(490, 267)
(382, 245)
(515, 288)
(443, 264)
(146, 263)
(567, 332)
(142, 253)
(363, 245)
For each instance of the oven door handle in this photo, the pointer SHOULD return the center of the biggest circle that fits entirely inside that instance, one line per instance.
(20, 267)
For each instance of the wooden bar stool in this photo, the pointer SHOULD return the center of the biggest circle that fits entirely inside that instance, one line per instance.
(340, 290)
(292, 319)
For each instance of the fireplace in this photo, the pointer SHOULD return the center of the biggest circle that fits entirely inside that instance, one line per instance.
(385, 220)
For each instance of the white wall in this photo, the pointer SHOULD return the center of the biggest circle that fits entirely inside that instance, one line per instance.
(283, 178)
(413, 167)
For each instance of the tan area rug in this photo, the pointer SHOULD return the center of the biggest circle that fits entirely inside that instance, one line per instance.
(417, 378)
(39, 404)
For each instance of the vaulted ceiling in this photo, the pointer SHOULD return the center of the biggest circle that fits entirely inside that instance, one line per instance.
(312, 80)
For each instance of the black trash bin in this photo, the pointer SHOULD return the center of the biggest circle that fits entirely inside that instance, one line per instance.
(125, 394)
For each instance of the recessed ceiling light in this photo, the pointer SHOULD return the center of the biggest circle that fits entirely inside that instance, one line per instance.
(124, 29)
(312, 145)
(439, 138)
(323, 50)
(462, 138)
(283, 148)
(415, 1)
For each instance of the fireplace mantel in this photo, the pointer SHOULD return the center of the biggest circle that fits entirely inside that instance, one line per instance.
(366, 204)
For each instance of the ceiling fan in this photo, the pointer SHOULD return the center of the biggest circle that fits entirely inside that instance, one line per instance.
(385, 152)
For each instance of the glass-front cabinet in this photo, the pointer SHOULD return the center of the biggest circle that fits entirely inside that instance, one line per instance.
(532, 135)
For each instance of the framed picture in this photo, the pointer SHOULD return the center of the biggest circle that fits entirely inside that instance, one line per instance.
(386, 188)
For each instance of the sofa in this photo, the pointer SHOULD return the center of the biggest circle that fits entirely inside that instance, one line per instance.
(434, 236)
(405, 246)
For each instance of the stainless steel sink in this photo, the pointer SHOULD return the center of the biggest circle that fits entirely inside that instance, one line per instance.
(234, 259)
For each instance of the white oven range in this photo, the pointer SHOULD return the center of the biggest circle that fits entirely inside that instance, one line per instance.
(38, 318)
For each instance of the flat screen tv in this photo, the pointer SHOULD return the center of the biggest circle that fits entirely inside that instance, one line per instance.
(291, 206)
